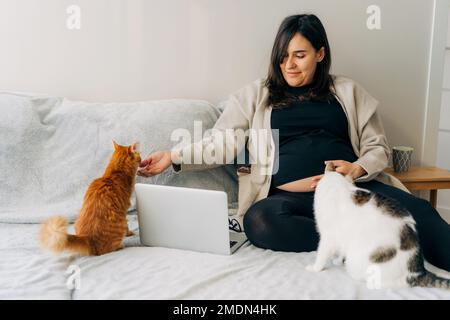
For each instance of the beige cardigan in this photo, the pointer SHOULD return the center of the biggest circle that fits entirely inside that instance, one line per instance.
(247, 108)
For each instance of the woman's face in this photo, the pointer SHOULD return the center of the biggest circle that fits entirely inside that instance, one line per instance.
(299, 64)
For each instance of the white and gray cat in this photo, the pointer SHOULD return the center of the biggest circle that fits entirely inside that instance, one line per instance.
(375, 235)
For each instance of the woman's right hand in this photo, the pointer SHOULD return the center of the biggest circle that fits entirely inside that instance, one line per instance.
(155, 163)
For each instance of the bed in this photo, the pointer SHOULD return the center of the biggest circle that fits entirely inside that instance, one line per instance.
(52, 147)
(137, 272)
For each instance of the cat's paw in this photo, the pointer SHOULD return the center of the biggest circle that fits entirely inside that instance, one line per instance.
(313, 268)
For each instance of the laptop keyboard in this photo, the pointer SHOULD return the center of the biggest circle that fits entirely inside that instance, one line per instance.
(232, 243)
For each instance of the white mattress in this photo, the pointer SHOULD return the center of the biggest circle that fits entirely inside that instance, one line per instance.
(26, 272)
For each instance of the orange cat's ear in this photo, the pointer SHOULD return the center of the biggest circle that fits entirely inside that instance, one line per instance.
(135, 147)
(116, 146)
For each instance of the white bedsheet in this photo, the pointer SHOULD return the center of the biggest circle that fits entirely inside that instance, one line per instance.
(26, 272)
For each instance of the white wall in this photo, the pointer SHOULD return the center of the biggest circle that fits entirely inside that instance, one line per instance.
(443, 156)
(128, 50)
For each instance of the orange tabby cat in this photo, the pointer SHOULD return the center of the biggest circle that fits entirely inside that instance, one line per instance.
(102, 223)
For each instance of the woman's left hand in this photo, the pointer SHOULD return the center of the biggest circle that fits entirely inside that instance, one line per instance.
(343, 167)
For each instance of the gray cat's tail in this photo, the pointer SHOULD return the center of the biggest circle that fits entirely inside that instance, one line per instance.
(429, 280)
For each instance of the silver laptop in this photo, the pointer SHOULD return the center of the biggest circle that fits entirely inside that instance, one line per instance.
(185, 218)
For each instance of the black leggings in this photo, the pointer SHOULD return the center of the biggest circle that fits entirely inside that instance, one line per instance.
(284, 221)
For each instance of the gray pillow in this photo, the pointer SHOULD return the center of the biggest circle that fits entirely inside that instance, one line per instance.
(52, 148)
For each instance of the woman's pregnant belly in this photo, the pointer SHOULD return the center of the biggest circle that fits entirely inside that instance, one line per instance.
(302, 158)
(301, 185)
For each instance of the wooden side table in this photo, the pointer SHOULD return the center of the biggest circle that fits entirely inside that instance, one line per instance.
(424, 178)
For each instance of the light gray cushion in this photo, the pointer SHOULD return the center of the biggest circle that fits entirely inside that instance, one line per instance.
(52, 148)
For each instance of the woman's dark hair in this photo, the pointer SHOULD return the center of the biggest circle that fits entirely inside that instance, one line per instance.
(310, 27)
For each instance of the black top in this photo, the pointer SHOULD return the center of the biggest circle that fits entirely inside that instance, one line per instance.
(309, 133)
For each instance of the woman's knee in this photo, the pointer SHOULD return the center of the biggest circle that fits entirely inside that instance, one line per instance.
(256, 218)
(415, 205)
(257, 223)
(422, 204)
(420, 208)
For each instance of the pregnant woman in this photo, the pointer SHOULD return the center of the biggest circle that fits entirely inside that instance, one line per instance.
(319, 117)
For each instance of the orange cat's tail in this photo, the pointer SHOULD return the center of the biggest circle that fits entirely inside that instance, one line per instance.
(54, 237)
